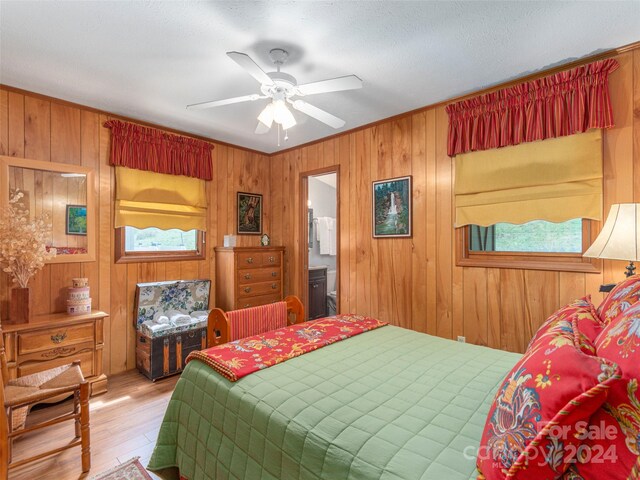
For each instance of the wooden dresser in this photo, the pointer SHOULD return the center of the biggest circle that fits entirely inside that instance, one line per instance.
(56, 339)
(248, 276)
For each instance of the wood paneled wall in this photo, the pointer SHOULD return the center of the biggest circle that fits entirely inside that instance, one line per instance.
(32, 126)
(414, 282)
(409, 282)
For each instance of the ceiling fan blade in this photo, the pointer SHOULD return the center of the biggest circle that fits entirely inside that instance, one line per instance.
(251, 67)
(350, 82)
(261, 128)
(318, 114)
(226, 101)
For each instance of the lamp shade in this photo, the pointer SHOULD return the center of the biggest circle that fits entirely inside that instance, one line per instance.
(282, 115)
(619, 238)
(266, 116)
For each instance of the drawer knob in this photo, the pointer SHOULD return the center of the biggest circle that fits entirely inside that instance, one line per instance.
(250, 260)
(247, 276)
(274, 274)
(315, 285)
(274, 286)
(59, 337)
(272, 259)
(247, 289)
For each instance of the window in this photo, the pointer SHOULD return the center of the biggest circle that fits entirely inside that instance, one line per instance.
(153, 244)
(537, 245)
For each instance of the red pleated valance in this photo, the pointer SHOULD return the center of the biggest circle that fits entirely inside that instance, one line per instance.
(555, 106)
(153, 150)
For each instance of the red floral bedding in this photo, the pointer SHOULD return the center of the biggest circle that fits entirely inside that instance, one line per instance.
(239, 358)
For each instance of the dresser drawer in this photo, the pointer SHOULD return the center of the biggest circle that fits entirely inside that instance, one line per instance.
(255, 301)
(29, 342)
(249, 259)
(270, 258)
(85, 357)
(258, 275)
(263, 288)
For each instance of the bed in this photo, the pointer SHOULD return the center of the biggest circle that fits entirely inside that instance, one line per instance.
(390, 403)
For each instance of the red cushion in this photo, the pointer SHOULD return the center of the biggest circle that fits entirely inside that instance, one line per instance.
(613, 454)
(531, 429)
(589, 325)
(623, 295)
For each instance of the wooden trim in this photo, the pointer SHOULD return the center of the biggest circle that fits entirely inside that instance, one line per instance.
(115, 116)
(558, 262)
(122, 256)
(304, 230)
(6, 162)
(505, 84)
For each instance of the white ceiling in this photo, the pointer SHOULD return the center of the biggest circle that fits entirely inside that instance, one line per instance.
(148, 59)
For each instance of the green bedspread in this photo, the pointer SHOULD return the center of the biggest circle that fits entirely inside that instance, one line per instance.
(387, 404)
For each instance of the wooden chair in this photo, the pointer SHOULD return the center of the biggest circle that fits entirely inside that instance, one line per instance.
(219, 327)
(19, 395)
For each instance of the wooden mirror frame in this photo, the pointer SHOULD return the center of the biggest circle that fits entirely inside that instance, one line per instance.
(7, 162)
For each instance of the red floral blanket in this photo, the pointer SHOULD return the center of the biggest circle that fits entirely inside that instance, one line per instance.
(236, 359)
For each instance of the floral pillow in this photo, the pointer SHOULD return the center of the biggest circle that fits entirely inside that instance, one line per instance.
(560, 324)
(535, 424)
(623, 295)
(612, 450)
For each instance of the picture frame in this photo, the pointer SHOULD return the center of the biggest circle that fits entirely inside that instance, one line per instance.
(76, 220)
(249, 213)
(391, 207)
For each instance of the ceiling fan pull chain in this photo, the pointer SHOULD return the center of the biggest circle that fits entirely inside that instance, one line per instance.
(278, 134)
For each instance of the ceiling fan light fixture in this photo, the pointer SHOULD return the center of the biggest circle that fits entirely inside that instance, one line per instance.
(266, 116)
(282, 115)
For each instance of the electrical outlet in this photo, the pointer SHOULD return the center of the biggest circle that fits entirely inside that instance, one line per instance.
(462, 339)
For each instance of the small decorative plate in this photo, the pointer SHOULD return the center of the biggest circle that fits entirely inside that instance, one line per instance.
(265, 240)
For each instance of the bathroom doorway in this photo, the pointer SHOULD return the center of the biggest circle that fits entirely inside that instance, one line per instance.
(321, 263)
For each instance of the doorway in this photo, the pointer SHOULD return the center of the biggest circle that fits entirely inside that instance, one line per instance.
(322, 237)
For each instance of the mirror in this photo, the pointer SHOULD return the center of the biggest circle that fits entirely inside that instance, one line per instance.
(66, 193)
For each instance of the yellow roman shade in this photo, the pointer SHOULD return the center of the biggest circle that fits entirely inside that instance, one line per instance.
(555, 180)
(148, 199)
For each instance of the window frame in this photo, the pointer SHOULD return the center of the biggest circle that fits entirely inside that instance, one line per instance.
(560, 262)
(123, 256)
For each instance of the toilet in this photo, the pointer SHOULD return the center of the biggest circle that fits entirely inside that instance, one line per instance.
(331, 292)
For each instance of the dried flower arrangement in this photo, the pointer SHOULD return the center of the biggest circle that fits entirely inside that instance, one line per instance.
(23, 241)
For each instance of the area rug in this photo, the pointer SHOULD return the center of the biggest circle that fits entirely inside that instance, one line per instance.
(129, 470)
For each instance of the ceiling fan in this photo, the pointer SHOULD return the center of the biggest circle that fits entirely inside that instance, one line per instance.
(281, 88)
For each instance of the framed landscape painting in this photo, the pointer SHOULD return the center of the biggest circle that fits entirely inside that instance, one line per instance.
(76, 220)
(391, 207)
(249, 213)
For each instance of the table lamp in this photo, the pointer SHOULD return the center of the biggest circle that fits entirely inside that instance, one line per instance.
(619, 238)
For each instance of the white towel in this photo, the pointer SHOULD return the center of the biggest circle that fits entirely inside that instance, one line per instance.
(324, 235)
(155, 327)
(161, 319)
(182, 319)
(331, 222)
(200, 315)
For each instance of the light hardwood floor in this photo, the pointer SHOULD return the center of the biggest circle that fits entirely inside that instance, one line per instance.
(124, 424)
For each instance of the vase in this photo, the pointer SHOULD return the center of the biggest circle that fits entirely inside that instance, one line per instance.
(20, 305)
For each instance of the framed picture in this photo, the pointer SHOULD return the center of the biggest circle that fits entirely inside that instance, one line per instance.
(249, 213)
(391, 207)
(76, 220)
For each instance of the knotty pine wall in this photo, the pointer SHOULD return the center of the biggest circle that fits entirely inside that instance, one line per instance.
(41, 128)
(409, 282)
(414, 282)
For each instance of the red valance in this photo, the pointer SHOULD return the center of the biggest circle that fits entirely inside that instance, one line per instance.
(144, 148)
(568, 102)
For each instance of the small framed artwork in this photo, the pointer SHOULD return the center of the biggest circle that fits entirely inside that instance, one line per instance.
(391, 207)
(249, 213)
(76, 220)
